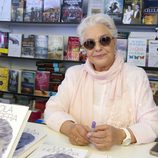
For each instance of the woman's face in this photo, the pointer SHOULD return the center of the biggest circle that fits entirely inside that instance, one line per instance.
(102, 57)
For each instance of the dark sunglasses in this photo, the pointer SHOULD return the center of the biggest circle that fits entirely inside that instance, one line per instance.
(103, 40)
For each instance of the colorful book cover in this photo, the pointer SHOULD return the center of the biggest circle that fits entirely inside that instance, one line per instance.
(95, 7)
(132, 12)
(73, 48)
(5, 10)
(28, 46)
(27, 81)
(52, 69)
(33, 10)
(4, 43)
(41, 82)
(31, 138)
(51, 11)
(13, 81)
(114, 8)
(13, 119)
(72, 11)
(137, 48)
(150, 12)
(17, 10)
(55, 47)
(14, 47)
(51, 150)
(56, 77)
(4, 75)
(153, 53)
(41, 46)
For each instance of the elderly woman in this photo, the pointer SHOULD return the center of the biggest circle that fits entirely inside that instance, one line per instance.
(115, 94)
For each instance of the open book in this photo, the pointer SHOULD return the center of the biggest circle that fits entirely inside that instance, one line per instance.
(13, 119)
(32, 137)
(49, 150)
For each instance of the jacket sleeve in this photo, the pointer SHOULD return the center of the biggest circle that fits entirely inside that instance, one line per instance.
(146, 127)
(57, 106)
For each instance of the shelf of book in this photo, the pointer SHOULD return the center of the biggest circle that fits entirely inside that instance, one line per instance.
(120, 27)
(32, 96)
(42, 60)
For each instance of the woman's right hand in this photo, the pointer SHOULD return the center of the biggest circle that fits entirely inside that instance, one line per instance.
(77, 133)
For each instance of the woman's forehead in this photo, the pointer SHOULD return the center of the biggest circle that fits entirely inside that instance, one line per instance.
(96, 31)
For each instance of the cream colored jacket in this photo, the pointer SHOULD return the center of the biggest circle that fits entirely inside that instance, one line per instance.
(135, 108)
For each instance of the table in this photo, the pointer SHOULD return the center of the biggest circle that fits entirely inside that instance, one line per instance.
(132, 151)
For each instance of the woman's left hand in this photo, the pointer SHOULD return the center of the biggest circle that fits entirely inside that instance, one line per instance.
(105, 136)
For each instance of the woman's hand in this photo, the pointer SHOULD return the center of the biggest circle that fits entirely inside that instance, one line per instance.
(77, 133)
(105, 136)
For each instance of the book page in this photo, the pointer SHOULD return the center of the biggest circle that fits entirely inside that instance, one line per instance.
(48, 150)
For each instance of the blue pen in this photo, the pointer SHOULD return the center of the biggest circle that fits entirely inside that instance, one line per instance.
(93, 126)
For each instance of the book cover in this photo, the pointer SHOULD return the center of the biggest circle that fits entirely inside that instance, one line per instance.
(5, 10)
(55, 47)
(13, 80)
(52, 69)
(41, 46)
(150, 12)
(53, 86)
(51, 11)
(132, 12)
(56, 77)
(154, 86)
(114, 8)
(31, 138)
(40, 104)
(14, 47)
(122, 44)
(153, 53)
(27, 81)
(137, 48)
(13, 119)
(73, 48)
(95, 7)
(49, 150)
(33, 10)
(4, 75)
(28, 46)
(41, 82)
(17, 10)
(72, 11)
(4, 43)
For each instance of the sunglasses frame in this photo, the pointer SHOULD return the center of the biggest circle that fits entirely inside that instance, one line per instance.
(100, 40)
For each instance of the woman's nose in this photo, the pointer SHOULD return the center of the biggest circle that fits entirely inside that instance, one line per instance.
(98, 46)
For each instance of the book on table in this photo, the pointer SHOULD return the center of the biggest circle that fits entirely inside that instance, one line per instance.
(32, 137)
(51, 150)
(13, 119)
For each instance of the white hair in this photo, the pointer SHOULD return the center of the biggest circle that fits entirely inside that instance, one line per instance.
(96, 19)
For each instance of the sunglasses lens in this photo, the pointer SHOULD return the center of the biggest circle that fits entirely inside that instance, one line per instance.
(89, 44)
(105, 40)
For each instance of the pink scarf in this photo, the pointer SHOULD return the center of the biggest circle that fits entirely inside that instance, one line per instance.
(82, 102)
